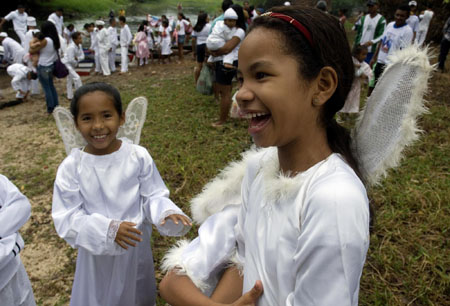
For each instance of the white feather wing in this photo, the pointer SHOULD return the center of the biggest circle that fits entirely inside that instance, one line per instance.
(388, 122)
(134, 120)
(66, 126)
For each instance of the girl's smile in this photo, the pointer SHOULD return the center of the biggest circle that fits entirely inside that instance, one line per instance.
(99, 122)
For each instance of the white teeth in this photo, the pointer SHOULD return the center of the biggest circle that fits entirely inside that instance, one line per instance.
(253, 115)
(100, 137)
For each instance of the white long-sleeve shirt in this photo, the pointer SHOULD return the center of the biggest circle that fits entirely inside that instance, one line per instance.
(125, 36)
(94, 39)
(103, 40)
(14, 213)
(74, 54)
(112, 32)
(13, 51)
(58, 22)
(19, 74)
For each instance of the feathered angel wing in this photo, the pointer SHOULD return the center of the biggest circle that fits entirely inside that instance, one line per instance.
(134, 120)
(66, 126)
(388, 122)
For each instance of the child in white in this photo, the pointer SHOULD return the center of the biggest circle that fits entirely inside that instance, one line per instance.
(166, 41)
(424, 24)
(74, 54)
(103, 47)
(106, 197)
(221, 33)
(125, 41)
(15, 287)
(21, 82)
(19, 20)
(32, 58)
(363, 73)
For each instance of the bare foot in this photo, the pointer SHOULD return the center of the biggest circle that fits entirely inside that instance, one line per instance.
(217, 124)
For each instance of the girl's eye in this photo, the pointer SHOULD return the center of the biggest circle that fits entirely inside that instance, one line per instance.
(86, 118)
(107, 115)
(260, 75)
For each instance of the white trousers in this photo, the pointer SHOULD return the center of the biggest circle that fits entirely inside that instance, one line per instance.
(21, 37)
(104, 61)
(18, 290)
(72, 78)
(420, 37)
(97, 60)
(124, 59)
(112, 59)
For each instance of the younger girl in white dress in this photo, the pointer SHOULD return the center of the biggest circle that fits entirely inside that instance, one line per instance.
(106, 197)
(302, 230)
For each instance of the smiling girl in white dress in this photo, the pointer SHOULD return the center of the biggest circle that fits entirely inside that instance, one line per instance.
(302, 230)
(106, 197)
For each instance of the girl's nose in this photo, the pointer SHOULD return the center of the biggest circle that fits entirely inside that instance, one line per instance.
(244, 95)
(98, 124)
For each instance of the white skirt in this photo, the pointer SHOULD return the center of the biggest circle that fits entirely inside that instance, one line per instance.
(18, 291)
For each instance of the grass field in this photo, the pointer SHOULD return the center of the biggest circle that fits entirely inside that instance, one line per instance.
(408, 261)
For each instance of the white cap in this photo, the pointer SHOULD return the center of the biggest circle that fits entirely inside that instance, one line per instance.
(100, 23)
(3, 34)
(287, 3)
(412, 3)
(230, 14)
(31, 21)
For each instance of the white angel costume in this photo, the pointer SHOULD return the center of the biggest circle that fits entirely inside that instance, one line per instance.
(306, 236)
(92, 195)
(15, 210)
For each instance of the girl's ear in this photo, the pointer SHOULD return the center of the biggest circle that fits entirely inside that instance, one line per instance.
(326, 83)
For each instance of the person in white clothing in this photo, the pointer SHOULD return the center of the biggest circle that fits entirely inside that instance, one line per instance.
(222, 32)
(19, 20)
(424, 24)
(13, 51)
(106, 197)
(32, 59)
(68, 32)
(104, 47)
(125, 41)
(413, 20)
(181, 25)
(301, 229)
(58, 20)
(166, 41)
(21, 79)
(74, 54)
(397, 35)
(199, 37)
(15, 210)
(93, 48)
(112, 32)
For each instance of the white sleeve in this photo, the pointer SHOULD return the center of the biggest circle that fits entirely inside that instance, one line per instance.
(157, 205)
(11, 16)
(332, 245)
(69, 56)
(72, 222)
(14, 208)
(129, 36)
(204, 258)
(80, 54)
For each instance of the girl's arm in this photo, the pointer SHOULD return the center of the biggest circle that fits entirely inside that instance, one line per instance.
(14, 208)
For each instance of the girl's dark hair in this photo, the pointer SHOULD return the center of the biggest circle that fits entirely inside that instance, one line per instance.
(240, 22)
(70, 26)
(91, 87)
(226, 4)
(357, 49)
(123, 19)
(49, 30)
(201, 22)
(182, 15)
(330, 48)
(141, 28)
(165, 23)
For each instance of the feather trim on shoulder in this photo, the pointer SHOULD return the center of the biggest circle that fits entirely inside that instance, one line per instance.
(223, 190)
(173, 261)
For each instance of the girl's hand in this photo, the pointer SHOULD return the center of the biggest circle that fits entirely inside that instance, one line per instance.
(177, 218)
(251, 297)
(126, 233)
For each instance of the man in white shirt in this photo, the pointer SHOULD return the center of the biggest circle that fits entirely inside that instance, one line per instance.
(93, 31)
(103, 46)
(397, 35)
(13, 51)
(74, 54)
(112, 32)
(58, 20)
(125, 41)
(370, 28)
(413, 20)
(21, 82)
(19, 20)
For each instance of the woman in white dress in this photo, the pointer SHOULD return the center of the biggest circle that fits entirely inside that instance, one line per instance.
(302, 230)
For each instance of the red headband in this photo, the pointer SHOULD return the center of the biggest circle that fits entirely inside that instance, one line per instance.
(295, 23)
